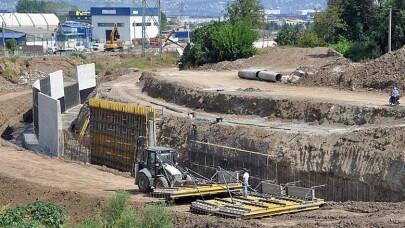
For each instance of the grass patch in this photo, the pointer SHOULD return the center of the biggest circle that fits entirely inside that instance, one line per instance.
(78, 54)
(99, 68)
(10, 72)
(261, 51)
(119, 213)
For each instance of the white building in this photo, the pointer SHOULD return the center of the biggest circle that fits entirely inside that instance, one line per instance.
(128, 19)
(45, 21)
(306, 12)
(272, 12)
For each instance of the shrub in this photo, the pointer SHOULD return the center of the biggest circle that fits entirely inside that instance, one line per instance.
(99, 68)
(363, 51)
(309, 39)
(78, 54)
(221, 41)
(37, 214)
(116, 206)
(93, 222)
(342, 46)
(157, 215)
(10, 72)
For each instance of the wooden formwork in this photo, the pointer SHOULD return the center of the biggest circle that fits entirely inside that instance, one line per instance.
(254, 206)
(196, 191)
(114, 130)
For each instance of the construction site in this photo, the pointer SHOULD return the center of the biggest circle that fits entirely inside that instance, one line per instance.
(320, 140)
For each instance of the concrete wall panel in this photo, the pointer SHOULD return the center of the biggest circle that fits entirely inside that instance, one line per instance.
(72, 97)
(45, 86)
(56, 82)
(50, 124)
(86, 76)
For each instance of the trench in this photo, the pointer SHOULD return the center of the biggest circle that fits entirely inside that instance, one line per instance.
(366, 164)
(352, 167)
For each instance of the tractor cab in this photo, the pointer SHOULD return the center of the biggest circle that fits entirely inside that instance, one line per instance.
(155, 167)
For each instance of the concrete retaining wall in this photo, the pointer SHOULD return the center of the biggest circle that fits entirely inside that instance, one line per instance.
(55, 99)
(50, 124)
(86, 77)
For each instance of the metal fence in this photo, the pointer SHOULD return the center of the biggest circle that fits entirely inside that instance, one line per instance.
(205, 157)
(75, 149)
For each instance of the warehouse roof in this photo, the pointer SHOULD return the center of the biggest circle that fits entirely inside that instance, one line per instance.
(38, 20)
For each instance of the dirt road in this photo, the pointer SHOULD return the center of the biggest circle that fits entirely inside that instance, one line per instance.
(229, 81)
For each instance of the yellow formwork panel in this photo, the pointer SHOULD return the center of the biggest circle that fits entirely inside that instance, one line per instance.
(254, 206)
(195, 191)
(114, 130)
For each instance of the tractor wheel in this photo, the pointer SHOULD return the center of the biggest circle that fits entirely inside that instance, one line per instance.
(161, 182)
(143, 183)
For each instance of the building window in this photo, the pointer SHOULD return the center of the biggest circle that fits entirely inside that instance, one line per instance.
(110, 24)
(140, 24)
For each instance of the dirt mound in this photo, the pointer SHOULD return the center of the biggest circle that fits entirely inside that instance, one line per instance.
(282, 59)
(380, 74)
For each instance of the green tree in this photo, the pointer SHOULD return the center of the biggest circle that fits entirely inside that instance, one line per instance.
(289, 35)
(35, 6)
(328, 23)
(217, 42)
(249, 12)
(163, 20)
(11, 45)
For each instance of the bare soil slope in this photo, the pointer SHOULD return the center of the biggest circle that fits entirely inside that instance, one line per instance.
(280, 59)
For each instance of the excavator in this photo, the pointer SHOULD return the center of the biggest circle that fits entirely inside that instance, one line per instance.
(114, 43)
(165, 39)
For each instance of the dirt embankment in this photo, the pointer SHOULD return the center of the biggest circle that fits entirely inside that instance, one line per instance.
(23, 72)
(13, 106)
(365, 164)
(280, 59)
(284, 109)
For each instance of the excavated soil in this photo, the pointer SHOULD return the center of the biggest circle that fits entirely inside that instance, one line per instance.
(280, 59)
(382, 73)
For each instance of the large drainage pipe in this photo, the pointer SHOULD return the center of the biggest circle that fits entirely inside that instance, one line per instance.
(262, 75)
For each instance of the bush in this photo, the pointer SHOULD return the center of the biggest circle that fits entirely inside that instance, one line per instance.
(342, 46)
(309, 39)
(37, 214)
(363, 51)
(119, 213)
(116, 206)
(99, 68)
(157, 215)
(221, 41)
(78, 54)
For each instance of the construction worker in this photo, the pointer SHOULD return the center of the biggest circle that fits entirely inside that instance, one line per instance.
(395, 96)
(245, 179)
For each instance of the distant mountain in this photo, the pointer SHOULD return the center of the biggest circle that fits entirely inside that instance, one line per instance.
(190, 7)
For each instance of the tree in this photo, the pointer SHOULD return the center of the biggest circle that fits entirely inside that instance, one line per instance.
(328, 23)
(163, 20)
(249, 12)
(217, 42)
(34, 6)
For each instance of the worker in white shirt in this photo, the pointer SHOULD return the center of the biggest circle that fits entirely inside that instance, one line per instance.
(245, 178)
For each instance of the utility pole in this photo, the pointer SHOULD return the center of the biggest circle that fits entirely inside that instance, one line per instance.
(389, 31)
(4, 40)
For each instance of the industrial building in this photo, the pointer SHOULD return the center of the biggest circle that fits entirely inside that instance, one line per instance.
(29, 28)
(129, 22)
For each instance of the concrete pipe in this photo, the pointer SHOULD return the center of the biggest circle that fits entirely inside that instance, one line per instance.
(269, 76)
(249, 74)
